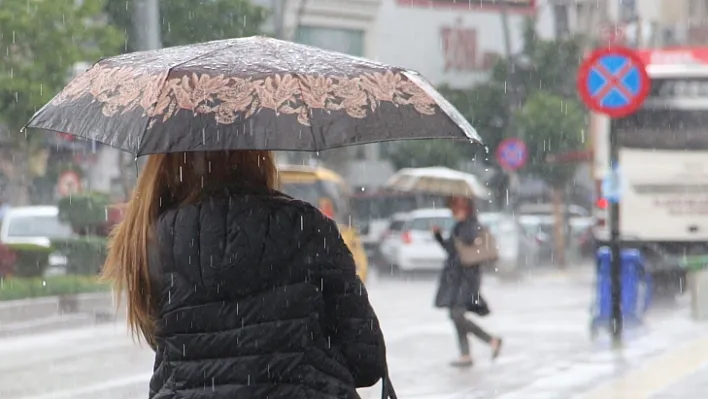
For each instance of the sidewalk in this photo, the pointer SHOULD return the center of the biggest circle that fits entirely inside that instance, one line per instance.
(548, 352)
(30, 316)
(694, 386)
(543, 319)
(679, 371)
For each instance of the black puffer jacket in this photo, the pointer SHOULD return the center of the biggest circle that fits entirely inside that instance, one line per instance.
(259, 299)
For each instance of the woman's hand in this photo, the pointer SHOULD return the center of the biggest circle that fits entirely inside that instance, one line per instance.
(436, 230)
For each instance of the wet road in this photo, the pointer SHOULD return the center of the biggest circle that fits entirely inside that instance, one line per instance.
(543, 320)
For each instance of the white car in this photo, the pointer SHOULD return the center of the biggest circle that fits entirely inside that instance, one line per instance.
(516, 249)
(416, 247)
(390, 240)
(36, 225)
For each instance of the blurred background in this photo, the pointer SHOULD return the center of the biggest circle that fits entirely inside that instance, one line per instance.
(510, 67)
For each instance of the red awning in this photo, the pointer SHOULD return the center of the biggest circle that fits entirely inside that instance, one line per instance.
(570, 157)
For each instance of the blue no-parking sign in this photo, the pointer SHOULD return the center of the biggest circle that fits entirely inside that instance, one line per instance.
(512, 154)
(613, 81)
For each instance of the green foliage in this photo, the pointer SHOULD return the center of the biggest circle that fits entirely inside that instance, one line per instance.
(551, 124)
(550, 65)
(423, 153)
(32, 260)
(42, 41)
(187, 21)
(485, 107)
(23, 288)
(540, 88)
(85, 255)
(86, 212)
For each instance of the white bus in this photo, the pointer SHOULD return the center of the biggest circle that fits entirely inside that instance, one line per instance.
(663, 159)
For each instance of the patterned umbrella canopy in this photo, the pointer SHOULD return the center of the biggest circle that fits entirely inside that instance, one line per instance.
(249, 93)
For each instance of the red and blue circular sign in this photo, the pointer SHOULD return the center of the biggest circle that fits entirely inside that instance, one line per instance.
(512, 154)
(613, 81)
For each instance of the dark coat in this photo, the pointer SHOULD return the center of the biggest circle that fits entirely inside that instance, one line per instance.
(459, 286)
(258, 298)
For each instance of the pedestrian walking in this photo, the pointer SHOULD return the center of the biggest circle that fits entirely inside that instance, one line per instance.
(243, 292)
(460, 280)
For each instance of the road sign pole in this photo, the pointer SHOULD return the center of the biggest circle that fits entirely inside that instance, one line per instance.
(614, 82)
(615, 247)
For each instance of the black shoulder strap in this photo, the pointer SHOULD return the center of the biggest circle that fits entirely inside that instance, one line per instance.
(387, 391)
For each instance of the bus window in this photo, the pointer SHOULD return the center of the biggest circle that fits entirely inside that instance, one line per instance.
(664, 129)
(323, 194)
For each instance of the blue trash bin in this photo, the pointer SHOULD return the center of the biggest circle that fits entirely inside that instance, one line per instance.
(636, 287)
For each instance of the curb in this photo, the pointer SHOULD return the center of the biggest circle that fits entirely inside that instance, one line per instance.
(45, 325)
(41, 314)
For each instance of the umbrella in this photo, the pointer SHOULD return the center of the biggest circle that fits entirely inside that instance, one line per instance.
(248, 93)
(438, 180)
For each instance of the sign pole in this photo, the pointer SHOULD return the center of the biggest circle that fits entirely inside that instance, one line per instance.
(614, 81)
(615, 246)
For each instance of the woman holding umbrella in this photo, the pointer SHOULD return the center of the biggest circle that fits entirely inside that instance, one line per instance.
(242, 291)
(460, 283)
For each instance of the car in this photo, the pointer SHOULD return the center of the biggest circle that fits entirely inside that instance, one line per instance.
(37, 225)
(389, 241)
(373, 211)
(540, 228)
(574, 211)
(517, 250)
(415, 247)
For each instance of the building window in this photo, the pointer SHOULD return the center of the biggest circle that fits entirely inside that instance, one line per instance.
(511, 3)
(348, 41)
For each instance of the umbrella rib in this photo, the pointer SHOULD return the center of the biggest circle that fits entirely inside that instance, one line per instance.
(169, 71)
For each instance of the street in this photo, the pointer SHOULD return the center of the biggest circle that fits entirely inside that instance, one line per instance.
(543, 319)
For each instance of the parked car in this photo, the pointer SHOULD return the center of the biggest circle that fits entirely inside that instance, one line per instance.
(574, 211)
(540, 228)
(373, 211)
(414, 246)
(36, 225)
(389, 241)
(517, 250)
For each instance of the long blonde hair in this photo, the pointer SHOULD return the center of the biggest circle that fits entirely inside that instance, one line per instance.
(169, 180)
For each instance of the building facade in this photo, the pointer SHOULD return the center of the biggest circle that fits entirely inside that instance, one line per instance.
(455, 43)
(641, 23)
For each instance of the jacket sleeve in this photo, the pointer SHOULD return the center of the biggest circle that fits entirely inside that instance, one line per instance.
(351, 320)
(439, 238)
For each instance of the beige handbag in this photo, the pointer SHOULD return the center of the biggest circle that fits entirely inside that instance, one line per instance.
(482, 250)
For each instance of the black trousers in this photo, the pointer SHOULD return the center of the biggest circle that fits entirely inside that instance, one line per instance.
(464, 326)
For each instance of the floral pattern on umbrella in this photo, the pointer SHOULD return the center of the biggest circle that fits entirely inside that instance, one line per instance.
(124, 89)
